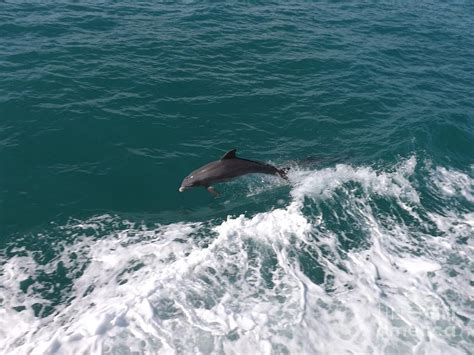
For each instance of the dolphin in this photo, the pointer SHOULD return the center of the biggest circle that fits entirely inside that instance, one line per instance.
(225, 169)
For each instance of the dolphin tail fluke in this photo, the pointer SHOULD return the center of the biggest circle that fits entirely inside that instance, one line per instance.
(283, 172)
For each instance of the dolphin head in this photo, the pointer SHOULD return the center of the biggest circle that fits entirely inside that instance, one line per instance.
(188, 182)
(200, 177)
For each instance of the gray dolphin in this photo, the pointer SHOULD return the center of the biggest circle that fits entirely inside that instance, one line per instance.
(225, 169)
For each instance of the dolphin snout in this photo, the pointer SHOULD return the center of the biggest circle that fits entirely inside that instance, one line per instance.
(181, 189)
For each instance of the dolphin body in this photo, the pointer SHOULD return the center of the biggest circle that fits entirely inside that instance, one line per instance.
(225, 169)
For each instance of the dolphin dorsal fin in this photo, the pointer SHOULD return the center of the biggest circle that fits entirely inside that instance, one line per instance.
(230, 154)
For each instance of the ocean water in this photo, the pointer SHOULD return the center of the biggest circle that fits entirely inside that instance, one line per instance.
(106, 106)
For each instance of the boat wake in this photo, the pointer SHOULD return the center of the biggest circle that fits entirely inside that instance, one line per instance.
(360, 260)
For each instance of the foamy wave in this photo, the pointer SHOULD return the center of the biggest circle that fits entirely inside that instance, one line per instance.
(453, 183)
(281, 281)
(323, 183)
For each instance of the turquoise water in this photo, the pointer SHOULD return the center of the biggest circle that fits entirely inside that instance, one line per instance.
(105, 108)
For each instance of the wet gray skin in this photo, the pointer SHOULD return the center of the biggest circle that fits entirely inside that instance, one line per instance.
(225, 169)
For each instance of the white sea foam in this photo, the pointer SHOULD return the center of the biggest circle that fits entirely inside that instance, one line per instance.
(453, 183)
(323, 183)
(276, 282)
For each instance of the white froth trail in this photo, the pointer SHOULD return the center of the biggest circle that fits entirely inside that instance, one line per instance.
(282, 281)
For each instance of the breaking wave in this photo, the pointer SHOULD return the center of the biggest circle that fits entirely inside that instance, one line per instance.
(355, 262)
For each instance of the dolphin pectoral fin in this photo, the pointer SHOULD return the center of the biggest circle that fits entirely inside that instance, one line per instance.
(212, 191)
